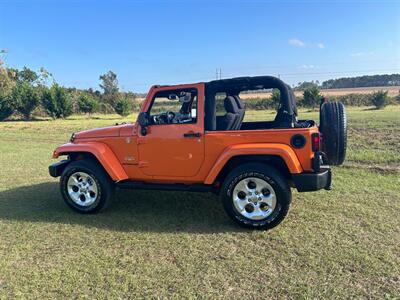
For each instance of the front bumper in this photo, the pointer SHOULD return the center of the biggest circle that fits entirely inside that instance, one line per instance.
(56, 169)
(308, 182)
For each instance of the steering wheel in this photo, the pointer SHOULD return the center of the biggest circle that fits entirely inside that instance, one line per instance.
(170, 116)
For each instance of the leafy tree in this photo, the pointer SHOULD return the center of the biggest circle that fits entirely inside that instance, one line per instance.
(311, 97)
(6, 80)
(109, 83)
(43, 77)
(123, 106)
(49, 104)
(57, 102)
(397, 98)
(7, 106)
(306, 85)
(87, 104)
(93, 93)
(27, 75)
(276, 98)
(380, 99)
(63, 100)
(26, 98)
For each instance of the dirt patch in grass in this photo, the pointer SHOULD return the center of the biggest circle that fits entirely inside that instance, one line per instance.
(389, 169)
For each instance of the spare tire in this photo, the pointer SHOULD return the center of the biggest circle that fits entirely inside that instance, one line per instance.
(333, 127)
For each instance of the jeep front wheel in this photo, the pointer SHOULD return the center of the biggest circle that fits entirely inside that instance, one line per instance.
(86, 187)
(256, 196)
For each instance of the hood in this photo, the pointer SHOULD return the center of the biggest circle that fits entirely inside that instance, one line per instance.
(110, 131)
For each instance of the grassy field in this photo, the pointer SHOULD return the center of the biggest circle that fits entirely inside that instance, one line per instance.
(344, 243)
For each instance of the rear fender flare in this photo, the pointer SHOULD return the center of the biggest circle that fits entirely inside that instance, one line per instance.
(281, 150)
(102, 152)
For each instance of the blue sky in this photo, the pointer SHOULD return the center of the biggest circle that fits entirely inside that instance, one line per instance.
(167, 42)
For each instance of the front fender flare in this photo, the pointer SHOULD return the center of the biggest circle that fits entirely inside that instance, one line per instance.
(102, 152)
(281, 150)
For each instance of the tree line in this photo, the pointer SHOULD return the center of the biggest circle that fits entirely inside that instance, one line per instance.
(26, 92)
(362, 81)
(353, 82)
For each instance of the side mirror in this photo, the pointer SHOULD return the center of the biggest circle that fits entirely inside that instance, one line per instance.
(143, 121)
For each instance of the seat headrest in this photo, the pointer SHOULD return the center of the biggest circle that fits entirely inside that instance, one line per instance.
(239, 102)
(230, 105)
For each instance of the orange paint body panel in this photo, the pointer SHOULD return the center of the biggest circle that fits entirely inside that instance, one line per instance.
(218, 141)
(102, 152)
(164, 152)
(284, 151)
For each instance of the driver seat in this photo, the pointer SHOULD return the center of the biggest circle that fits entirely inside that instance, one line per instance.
(231, 118)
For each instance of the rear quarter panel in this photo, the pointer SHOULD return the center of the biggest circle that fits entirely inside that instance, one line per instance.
(217, 142)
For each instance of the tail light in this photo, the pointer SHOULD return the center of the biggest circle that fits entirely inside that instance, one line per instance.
(315, 141)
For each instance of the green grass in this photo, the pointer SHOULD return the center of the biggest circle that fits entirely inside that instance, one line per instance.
(344, 243)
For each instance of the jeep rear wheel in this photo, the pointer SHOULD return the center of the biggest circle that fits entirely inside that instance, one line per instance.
(86, 187)
(256, 196)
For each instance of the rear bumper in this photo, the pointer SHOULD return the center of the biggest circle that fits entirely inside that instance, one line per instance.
(56, 169)
(308, 182)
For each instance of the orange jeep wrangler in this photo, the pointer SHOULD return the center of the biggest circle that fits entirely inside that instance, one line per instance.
(193, 137)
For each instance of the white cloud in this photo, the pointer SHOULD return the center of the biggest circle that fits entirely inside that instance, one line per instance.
(307, 67)
(297, 43)
(301, 44)
(361, 54)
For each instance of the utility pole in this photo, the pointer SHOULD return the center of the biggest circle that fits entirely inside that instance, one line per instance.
(218, 73)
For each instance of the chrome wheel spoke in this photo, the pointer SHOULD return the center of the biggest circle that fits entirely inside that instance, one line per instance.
(240, 203)
(88, 196)
(74, 179)
(92, 188)
(242, 186)
(74, 195)
(258, 213)
(269, 200)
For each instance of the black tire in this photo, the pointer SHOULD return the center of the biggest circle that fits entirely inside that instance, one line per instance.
(274, 178)
(333, 126)
(105, 186)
